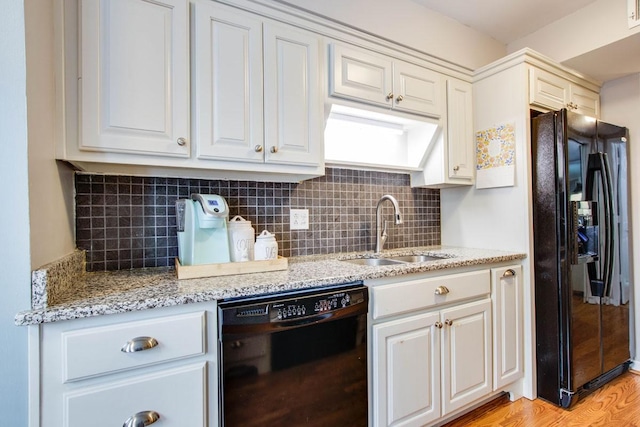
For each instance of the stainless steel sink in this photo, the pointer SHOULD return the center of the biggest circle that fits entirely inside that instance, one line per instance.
(372, 261)
(415, 258)
(393, 260)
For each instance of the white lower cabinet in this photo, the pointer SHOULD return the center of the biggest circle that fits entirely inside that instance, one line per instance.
(508, 329)
(175, 397)
(124, 369)
(406, 374)
(466, 354)
(433, 339)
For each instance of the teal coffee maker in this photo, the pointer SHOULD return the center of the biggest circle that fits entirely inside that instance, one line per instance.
(202, 229)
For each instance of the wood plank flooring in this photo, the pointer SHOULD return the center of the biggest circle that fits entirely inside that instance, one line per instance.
(617, 404)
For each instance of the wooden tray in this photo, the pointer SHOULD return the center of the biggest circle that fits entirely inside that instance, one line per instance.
(229, 268)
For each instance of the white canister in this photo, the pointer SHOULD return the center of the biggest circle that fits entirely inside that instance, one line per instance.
(266, 246)
(241, 235)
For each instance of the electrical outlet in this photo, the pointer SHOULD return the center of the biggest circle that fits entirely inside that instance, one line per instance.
(299, 219)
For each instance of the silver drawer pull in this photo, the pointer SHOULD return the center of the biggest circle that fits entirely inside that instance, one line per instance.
(141, 419)
(139, 344)
(509, 273)
(442, 290)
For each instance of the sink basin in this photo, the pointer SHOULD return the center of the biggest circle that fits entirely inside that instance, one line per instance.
(372, 261)
(415, 258)
(394, 260)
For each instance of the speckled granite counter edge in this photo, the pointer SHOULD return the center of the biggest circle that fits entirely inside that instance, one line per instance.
(96, 294)
(53, 279)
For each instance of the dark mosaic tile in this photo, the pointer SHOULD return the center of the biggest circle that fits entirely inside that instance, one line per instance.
(129, 222)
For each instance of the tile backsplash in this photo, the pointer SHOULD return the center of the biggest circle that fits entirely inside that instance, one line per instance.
(129, 222)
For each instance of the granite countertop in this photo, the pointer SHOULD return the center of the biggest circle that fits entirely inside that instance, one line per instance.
(99, 293)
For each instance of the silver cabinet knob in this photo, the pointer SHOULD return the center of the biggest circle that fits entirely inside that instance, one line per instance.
(257, 148)
(141, 419)
(273, 149)
(438, 325)
(390, 96)
(572, 105)
(139, 344)
(456, 168)
(399, 98)
(441, 290)
(181, 141)
(448, 322)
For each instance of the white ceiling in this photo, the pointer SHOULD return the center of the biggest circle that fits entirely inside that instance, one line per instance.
(505, 20)
(510, 20)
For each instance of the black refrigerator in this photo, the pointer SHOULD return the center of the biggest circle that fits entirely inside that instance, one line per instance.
(581, 254)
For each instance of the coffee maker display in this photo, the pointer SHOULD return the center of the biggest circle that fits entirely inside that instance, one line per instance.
(202, 229)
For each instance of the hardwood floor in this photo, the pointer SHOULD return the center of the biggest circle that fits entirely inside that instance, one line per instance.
(617, 404)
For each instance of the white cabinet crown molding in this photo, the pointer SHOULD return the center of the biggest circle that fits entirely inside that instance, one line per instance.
(536, 59)
(283, 11)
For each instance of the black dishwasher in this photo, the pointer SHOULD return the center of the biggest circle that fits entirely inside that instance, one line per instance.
(295, 358)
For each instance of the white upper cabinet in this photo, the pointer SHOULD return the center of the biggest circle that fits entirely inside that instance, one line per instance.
(362, 75)
(228, 94)
(293, 107)
(633, 13)
(417, 89)
(257, 93)
(451, 160)
(460, 138)
(134, 77)
(553, 92)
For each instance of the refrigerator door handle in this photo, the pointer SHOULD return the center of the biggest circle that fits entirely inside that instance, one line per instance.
(598, 162)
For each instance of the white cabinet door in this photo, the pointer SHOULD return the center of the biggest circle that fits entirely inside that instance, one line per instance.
(633, 13)
(364, 76)
(585, 101)
(406, 371)
(359, 75)
(508, 340)
(135, 77)
(466, 354)
(460, 138)
(228, 84)
(293, 107)
(547, 90)
(176, 396)
(553, 92)
(418, 90)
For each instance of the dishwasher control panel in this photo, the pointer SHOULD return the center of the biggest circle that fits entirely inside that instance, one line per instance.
(287, 307)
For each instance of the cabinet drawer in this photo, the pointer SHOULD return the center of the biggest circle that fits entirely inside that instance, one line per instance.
(402, 297)
(176, 395)
(96, 351)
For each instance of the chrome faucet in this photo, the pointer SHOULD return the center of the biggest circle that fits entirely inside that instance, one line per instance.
(381, 237)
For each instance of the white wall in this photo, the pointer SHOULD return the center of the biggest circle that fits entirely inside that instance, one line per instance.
(596, 25)
(621, 105)
(412, 25)
(14, 216)
(50, 183)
